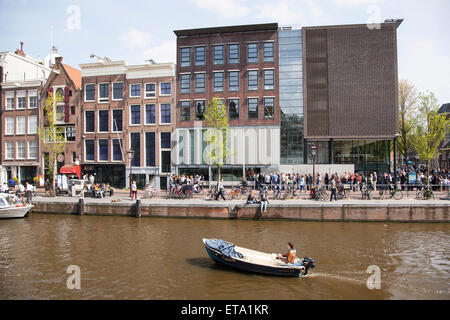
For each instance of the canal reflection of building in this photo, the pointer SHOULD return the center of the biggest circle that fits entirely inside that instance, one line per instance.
(114, 174)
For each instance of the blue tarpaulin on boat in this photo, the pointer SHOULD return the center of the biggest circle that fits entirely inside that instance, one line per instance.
(224, 247)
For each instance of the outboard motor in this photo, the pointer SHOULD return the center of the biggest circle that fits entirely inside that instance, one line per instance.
(308, 263)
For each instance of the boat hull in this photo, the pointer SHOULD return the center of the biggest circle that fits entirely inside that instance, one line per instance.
(14, 212)
(251, 267)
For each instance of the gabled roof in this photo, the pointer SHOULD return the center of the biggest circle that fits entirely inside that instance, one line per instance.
(445, 108)
(74, 75)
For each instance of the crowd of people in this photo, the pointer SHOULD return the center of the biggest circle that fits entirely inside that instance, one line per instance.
(23, 191)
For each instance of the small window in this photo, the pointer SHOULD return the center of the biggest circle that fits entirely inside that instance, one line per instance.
(135, 111)
(185, 111)
(135, 90)
(269, 108)
(218, 81)
(165, 88)
(150, 114)
(70, 133)
(32, 150)
(185, 81)
(268, 51)
(103, 92)
(21, 149)
(233, 81)
(9, 150)
(185, 57)
(20, 129)
(218, 54)
(252, 78)
(72, 110)
(252, 108)
(89, 92)
(200, 56)
(9, 125)
(150, 90)
(233, 109)
(165, 140)
(199, 83)
(165, 113)
(268, 78)
(233, 53)
(252, 52)
(199, 109)
(117, 91)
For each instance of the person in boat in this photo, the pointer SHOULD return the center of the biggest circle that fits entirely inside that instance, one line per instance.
(289, 257)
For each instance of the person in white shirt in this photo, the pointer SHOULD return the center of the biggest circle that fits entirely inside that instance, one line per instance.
(4, 188)
(29, 192)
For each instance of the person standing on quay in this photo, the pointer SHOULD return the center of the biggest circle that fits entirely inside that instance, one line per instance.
(133, 191)
(333, 189)
(220, 190)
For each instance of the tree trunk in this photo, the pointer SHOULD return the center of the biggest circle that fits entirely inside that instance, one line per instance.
(428, 174)
(55, 168)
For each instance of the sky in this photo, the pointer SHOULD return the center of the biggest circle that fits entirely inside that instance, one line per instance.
(137, 30)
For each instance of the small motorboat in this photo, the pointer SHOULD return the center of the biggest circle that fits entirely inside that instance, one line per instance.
(13, 207)
(255, 261)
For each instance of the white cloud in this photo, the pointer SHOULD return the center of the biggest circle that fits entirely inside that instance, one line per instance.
(426, 68)
(135, 38)
(356, 2)
(283, 12)
(225, 8)
(164, 52)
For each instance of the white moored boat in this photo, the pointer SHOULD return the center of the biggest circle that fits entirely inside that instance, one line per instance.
(12, 207)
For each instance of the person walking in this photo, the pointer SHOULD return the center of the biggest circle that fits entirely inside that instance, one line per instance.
(333, 189)
(220, 190)
(133, 191)
(29, 192)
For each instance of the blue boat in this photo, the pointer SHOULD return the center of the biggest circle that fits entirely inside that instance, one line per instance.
(255, 261)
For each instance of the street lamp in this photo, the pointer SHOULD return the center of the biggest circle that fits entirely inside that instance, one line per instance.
(313, 153)
(131, 155)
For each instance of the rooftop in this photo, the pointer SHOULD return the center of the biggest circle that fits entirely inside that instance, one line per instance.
(445, 108)
(228, 29)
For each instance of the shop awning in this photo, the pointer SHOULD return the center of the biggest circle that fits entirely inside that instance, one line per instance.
(71, 169)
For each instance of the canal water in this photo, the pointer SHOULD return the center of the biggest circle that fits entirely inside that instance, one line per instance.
(156, 258)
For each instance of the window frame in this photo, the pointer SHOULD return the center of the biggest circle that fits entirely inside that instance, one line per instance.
(271, 58)
(248, 79)
(98, 120)
(149, 92)
(100, 99)
(188, 91)
(238, 80)
(131, 112)
(257, 108)
(85, 92)
(120, 149)
(264, 107)
(160, 89)
(99, 150)
(32, 94)
(112, 120)
(201, 62)
(24, 125)
(28, 124)
(221, 89)
(85, 150)
(189, 110)
(150, 123)
(221, 61)
(160, 114)
(113, 91)
(251, 43)
(24, 150)
(229, 53)
(28, 149)
(13, 126)
(238, 108)
(85, 122)
(204, 82)
(140, 91)
(195, 109)
(11, 143)
(265, 87)
(188, 63)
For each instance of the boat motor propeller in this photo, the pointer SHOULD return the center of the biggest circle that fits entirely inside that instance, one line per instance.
(308, 263)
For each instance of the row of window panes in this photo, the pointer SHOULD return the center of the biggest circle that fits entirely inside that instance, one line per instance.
(165, 89)
(233, 109)
(233, 81)
(68, 132)
(117, 117)
(135, 144)
(19, 152)
(21, 100)
(21, 125)
(233, 54)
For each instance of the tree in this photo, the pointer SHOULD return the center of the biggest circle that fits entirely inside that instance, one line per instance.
(407, 98)
(430, 130)
(217, 134)
(52, 135)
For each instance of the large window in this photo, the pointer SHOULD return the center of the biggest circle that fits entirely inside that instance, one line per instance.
(103, 120)
(150, 90)
(185, 57)
(32, 99)
(233, 108)
(21, 150)
(165, 140)
(32, 149)
(199, 109)
(269, 79)
(268, 51)
(218, 54)
(185, 110)
(135, 90)
(20, 129)
(135, 114)
(136, 147)
(116, 149)
(252, 108)
(9, 100)
(185, 81)
(150, 114)
(233, 53)
(89, 121)
(103, 149)
(269, 107)
(252, 80)
(165, 88)
(200, 56)
(117, 91)
(70, 133)
(150, 149)
(103, 92)
(117, 120)
(252, 52)
(9, 150)
(165, 113)
(199, 83)
(89, 92)
(32, 124)
(218, 81)
(233, 81)
(9, 125)
(89, 150)
(21, 103)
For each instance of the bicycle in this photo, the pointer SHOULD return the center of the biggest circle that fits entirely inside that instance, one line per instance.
(391, 192)
(318, 194)
(424, 193)
(366, 192)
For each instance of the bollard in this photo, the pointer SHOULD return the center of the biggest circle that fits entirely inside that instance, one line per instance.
(81, 206)
(138, 208)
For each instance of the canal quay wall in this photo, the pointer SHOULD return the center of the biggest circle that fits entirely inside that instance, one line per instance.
(303, 210)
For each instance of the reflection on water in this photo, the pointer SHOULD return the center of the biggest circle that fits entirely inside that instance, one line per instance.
(128, 258)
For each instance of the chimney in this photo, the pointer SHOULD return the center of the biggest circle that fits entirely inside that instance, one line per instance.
(20, 51)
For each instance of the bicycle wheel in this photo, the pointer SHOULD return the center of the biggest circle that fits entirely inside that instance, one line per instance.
(379, 194)
(398, 195)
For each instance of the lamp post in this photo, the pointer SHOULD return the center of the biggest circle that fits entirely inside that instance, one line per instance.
(131, 155)
(313, 153)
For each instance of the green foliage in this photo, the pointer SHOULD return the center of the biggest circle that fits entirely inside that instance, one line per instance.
(217, 135)
(408, 99)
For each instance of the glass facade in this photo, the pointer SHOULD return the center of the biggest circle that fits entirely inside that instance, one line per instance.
(291, 96)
